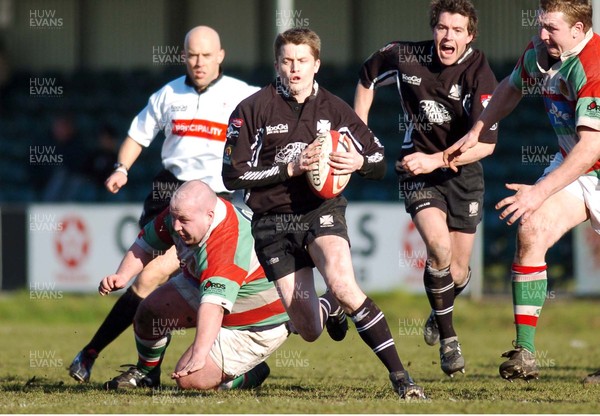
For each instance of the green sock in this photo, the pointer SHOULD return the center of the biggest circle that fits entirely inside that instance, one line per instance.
(151, 352)
(249, 380)
(529, 284)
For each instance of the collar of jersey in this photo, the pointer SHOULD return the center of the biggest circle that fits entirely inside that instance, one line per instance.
(578, 48)
(190, 83)
(220, 214)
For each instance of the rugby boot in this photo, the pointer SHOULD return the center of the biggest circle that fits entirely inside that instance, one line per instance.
(593, 378)
(520, 364)
(431, 333)
(133, 378)
(337, 325)
(451, 359)
(405, 386)
(81, 367)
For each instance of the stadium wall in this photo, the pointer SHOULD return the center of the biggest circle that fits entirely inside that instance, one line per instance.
(71, 247)
(113, 34)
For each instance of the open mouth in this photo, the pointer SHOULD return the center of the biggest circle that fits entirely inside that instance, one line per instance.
(447, 50)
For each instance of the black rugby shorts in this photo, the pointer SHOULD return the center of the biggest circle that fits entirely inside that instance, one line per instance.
(459, 195)
(281, 240)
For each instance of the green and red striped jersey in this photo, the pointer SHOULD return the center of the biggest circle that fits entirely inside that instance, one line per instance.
(225, 264)
(570, 87)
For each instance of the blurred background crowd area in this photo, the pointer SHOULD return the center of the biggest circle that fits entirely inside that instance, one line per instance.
(73, 74)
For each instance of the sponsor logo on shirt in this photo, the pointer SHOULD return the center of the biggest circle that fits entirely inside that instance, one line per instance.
(290, 152)
(214, 287)
(593, 109)
(455, 92)
(435, 112)
(412, 80)
(278, 129)
(273, 260)
(176, 108)
(199, 128)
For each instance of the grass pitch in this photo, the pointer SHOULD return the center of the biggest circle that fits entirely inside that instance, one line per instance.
(41, 335)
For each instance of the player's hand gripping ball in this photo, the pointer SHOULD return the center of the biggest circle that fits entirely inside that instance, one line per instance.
(320, 177)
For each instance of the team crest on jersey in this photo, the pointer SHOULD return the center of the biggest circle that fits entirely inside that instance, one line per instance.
(455, 92)
(435, 112)
(323, 126)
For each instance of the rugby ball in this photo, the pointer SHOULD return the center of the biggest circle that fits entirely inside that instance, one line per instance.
(321, 179)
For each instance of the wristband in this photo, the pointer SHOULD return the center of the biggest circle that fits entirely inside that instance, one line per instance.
(122, 170)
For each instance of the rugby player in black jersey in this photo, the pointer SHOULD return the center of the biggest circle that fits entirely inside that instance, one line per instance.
(270, 147)
(444, 84)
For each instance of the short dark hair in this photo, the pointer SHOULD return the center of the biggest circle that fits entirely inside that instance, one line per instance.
(462, 7)
(574, 10)
(299, 36)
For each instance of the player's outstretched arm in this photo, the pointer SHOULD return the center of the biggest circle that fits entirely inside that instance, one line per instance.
(132, 264)
(128, 153)
(504, 100)
(209, 321)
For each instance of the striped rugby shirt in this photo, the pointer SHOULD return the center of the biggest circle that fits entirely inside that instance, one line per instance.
(226, 266)
(194, 124)
(570, 87)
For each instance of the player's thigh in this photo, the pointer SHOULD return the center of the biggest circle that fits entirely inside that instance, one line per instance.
(171, 306)
(544, 227)
(156, 272)
(331, 255)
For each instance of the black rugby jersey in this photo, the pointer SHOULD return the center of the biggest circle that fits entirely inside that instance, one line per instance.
(440, 103)
(269, 129)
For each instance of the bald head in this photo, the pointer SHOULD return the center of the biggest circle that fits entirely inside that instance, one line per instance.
(202, 33)
(194, 195)
(193, 210)
(203, 55)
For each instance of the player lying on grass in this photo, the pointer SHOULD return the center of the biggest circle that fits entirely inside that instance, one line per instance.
(221, 290)
(563, 61)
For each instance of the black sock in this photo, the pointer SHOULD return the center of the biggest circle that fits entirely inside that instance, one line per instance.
(458, 289)
(375, 332)
(440, 292)
(329, 305)
(118, 319)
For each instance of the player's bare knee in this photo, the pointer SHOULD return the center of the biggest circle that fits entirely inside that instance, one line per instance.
(439, 254)
(309, 333)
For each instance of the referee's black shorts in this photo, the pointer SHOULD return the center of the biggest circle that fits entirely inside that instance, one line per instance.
(281, 240)
(459, 195)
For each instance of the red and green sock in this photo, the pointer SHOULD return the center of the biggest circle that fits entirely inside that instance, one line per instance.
(529, 284)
